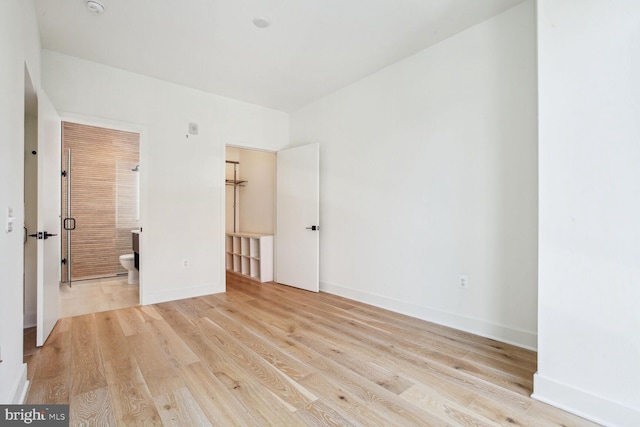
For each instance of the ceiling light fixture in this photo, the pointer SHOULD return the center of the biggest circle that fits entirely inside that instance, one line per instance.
(95, 6)
(261, 22)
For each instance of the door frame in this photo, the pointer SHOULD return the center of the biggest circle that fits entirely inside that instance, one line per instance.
(221, 244)
(141, 130)
(223, 211)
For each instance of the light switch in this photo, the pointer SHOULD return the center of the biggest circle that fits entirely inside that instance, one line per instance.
(10, 220)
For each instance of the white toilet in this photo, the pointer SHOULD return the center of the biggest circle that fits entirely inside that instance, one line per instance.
(127, 262)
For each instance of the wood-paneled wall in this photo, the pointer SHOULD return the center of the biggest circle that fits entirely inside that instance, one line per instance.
(103, 198)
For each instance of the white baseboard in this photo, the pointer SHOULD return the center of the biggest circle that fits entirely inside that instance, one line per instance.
(180, 293)
(21, 387)
(584, 404)
(475, 326)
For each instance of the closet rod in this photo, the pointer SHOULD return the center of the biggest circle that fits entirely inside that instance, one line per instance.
(235, 184)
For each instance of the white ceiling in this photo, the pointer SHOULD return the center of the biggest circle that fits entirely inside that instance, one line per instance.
(312, 48)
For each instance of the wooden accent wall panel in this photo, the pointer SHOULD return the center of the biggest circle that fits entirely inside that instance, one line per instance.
(103, 198)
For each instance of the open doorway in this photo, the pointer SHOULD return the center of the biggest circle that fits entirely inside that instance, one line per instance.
(100, 211)
(260, 243)
(250, 214)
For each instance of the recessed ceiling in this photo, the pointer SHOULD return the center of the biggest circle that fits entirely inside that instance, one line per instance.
(311, 47)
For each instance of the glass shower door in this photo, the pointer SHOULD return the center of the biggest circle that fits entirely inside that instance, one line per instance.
(100, 199)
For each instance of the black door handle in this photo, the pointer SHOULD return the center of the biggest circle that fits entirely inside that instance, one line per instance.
(313, 227)
(42, 235)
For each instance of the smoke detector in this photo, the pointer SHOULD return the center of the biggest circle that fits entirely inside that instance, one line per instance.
(95, 6)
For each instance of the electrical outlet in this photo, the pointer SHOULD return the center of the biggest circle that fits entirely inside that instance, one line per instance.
(185, 263)
(463, 282)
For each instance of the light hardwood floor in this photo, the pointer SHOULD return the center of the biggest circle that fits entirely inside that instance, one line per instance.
(96, 295)
(273, 355)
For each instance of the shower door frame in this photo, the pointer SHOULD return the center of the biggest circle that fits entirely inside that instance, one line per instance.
(68, 218)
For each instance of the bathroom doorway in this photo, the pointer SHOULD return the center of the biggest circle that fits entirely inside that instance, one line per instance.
(100, 211)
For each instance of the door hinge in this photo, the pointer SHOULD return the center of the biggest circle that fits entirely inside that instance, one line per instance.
(64, 261)
(64, 173)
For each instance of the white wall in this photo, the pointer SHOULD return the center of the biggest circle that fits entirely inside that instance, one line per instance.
(19, 44)
(429, 171)
(256, 201)
(589, 289)
(258, 213)
(182, 179)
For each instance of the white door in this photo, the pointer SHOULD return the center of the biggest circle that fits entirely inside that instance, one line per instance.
(298, 206)
(48, 238)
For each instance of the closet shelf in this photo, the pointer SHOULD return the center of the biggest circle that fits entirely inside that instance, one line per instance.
(250, 254)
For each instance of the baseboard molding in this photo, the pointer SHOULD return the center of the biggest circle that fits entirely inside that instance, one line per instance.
(475, 326)
(180, 293)
(21, 387)
(583, 404)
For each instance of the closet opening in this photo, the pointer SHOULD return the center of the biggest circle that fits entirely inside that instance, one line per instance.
(250, 213)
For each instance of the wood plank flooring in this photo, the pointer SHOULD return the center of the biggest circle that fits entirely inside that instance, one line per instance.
(96, 295)
(267, 354)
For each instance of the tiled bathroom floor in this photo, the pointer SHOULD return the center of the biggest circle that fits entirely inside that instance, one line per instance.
(93, 296)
